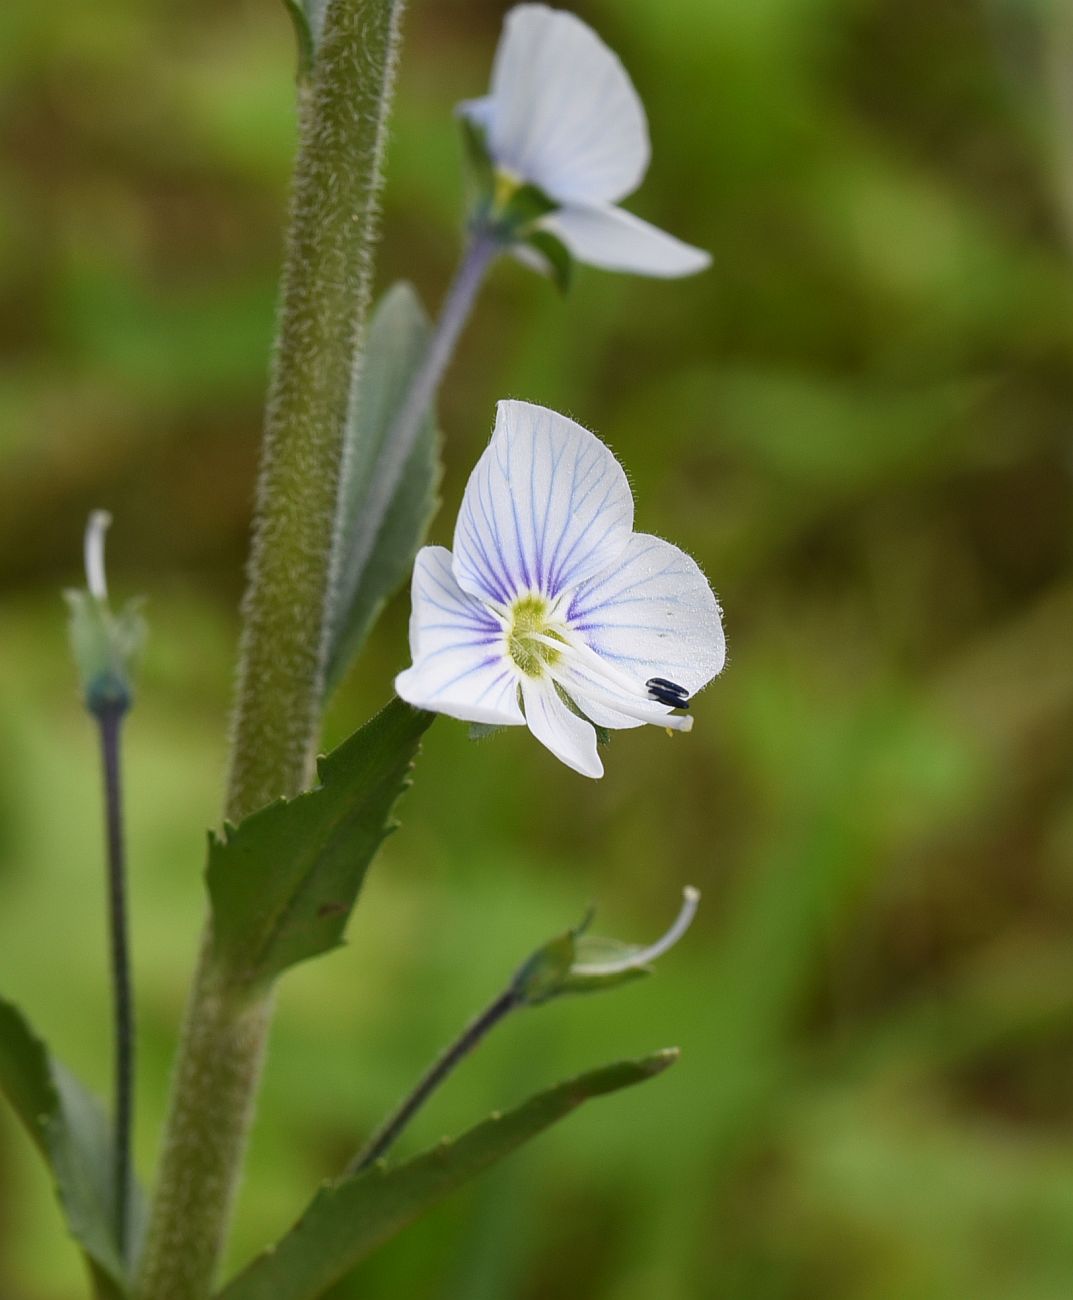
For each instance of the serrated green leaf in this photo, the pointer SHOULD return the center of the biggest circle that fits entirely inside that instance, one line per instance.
(283, 883)
(69, 1127)
(394, 349)
(348, 1220)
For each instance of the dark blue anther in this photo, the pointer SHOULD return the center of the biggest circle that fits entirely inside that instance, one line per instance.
(667, 692)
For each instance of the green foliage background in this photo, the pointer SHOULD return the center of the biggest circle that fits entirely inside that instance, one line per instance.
(860, 422)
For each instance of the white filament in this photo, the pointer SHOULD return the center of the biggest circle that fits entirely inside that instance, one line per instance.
(647, 709)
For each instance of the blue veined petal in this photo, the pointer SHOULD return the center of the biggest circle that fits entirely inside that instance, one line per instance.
(564, 113)
(653, 615)
(461, 666)
(546, 508)
(616, 240)
(570, 738)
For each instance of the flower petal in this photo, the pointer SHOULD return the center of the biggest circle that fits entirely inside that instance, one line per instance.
(546, 508)
(565, 115)
(478, 111)
(616, 240)
(653, 615)
(569, 737)
(460, 667)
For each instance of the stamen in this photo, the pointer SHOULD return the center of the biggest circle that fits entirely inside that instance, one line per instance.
(601, 668)
(667, 692)
(586, 690)
(637, 702)
(531, 649)
(682, 922)
(93, 551)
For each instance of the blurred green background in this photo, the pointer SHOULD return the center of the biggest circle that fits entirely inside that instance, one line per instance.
(860, 422)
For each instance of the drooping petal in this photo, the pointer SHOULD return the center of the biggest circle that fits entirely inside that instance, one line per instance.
(616, 240)
(564, 113)
(570, 738)
(546, 508)
(478, 111)
(652, 615)
(460, 666)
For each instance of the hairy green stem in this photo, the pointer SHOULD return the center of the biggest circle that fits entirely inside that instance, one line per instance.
(286, 614)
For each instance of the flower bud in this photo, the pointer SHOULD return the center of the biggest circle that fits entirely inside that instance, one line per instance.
(105, 645)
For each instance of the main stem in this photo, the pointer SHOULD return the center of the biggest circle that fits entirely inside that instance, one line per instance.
(286, 612)
(445, 1063)
(110, 721)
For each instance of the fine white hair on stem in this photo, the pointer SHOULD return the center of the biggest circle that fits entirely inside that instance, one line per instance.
(682, 922)
(98, 525)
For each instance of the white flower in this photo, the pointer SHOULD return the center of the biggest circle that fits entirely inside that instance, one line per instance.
(550, 606)
(563, 115)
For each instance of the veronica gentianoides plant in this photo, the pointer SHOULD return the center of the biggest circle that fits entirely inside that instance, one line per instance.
(549, 611)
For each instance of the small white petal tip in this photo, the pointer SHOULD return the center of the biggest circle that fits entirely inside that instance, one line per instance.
(99, 523)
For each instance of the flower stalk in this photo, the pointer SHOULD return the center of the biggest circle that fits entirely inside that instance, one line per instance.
(286, 611)
(481, 250)
(557, 968)
(109, 723)
(452, 1056)
(105, 647)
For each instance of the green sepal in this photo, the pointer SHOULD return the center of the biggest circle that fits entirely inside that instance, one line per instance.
(106, 648)
(559, 966)
(70, 1129)
(526, 204)
(394, 349)
(542, 976)
(284, 882)
(593, 950)
(480, 169)
(557, 259)
(482, 730)
(349, 1219)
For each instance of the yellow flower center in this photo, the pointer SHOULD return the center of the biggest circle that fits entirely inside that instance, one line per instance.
(507, 184)
(528, 619)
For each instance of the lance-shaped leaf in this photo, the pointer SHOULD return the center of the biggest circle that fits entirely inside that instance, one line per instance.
(69, 1127)
(372, 570)
(308, 19)
(283, 882)
(349, 1219)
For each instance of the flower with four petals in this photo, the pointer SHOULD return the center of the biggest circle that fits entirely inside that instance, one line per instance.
(551, 612)
(564, 116)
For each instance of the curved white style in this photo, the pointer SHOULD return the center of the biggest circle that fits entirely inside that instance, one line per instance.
(563, 115)
(551, 612)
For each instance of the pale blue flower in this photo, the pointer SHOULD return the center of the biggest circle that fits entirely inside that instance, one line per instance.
(551, 612)
(563, 115)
